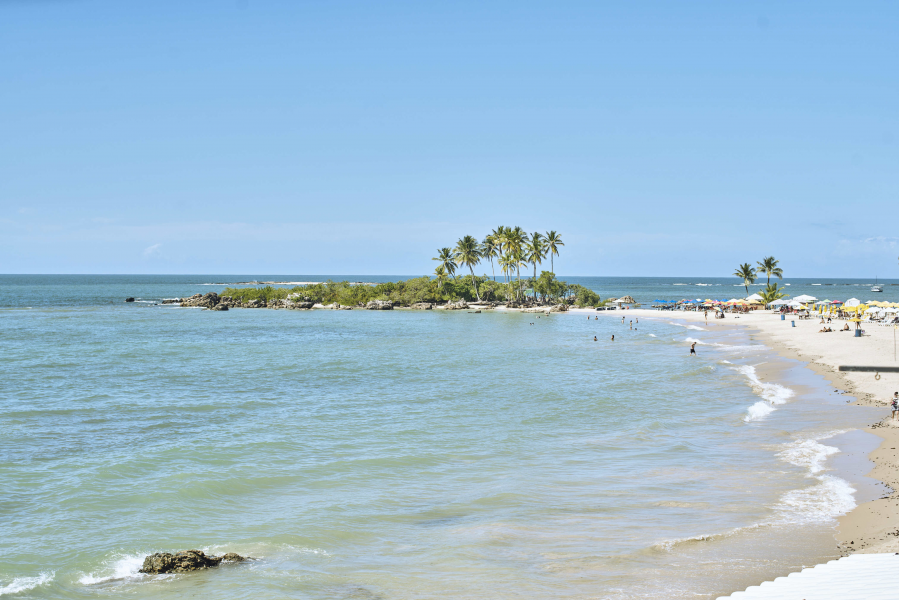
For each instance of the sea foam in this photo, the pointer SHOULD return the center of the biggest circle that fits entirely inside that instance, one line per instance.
(773, 394)
(829, 498)
(121, 567)
(23, 584)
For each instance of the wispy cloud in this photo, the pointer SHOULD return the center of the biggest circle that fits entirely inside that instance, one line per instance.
(152, 251)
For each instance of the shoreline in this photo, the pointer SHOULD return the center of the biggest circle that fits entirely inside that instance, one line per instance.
(872, 526)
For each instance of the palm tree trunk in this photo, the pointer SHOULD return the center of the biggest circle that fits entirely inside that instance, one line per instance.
(474, 282)
(535, 281)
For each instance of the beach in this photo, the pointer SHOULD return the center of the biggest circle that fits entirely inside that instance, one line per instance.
(871, 527)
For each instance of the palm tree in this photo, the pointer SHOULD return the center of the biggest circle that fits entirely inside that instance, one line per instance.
(768, 266)
(440, 274)
(507, 265)
(490, 250)
(747, 274)
(447, 260)
(553, 241)
(468, 252)
(516, 240)
(535, 253)
(771, 293)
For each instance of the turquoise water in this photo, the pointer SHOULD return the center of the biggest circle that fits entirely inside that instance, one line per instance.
(403, 454)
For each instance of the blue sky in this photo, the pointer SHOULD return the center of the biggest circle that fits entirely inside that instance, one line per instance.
(660, 138)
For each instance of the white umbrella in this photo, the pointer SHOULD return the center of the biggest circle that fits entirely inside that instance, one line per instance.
(754, 297)
(804, 298)
(851, 302)
(823, 303)
(795, 304)
(780, 302)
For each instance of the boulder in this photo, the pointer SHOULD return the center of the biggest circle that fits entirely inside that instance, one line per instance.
(172, 301)
(129, 299)
(255, 303)
(379, 305)
(220, 307)
(460, 305)
(184, 561)
(422, 306)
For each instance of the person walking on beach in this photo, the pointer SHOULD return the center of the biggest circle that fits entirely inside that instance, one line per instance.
(693, 349)
(895, 405)
(706, 317)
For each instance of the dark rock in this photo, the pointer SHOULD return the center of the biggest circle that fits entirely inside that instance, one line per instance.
(220, 307)
(172, 301)
(209, 300)
(129, 299)
(422, 306)
(185, 561)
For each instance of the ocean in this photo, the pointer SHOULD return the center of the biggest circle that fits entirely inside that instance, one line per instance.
(409, 454)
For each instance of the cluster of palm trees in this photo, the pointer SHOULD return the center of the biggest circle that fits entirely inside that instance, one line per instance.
(767, 266)
(512, 247)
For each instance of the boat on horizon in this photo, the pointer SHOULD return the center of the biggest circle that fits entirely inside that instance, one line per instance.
(876, 287)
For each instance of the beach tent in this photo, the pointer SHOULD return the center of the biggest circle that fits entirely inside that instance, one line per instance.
(851, 302)
(804, 299)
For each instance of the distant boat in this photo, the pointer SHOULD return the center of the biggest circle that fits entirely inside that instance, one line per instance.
(876, 287)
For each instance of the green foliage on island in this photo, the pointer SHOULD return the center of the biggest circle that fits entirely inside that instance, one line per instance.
(512, 248)
(424, 289)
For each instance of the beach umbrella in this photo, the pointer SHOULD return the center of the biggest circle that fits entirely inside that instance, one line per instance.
(754, 297)
(804, 299)
(852, 302)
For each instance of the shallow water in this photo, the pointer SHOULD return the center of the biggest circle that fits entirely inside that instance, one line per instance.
(370, 454)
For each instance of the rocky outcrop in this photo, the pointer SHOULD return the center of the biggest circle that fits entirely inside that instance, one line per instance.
(129, 299)
(379, 305)
(185, 561)
(220, 306)
(422, 306)
(172, 301)
(297, 302)
(204, 300)
(460, 305)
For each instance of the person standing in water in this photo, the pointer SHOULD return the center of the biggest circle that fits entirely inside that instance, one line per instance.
(693, 349)
(613, 338)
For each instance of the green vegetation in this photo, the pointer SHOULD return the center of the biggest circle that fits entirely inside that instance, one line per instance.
(771, 293)
(747, 274)
(510, 246)
(768, 266)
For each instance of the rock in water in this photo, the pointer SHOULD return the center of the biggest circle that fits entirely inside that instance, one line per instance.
(184, 561)
(379, 305)
(129, 299)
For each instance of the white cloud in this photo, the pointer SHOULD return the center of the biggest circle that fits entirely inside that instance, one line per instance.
(152, 251)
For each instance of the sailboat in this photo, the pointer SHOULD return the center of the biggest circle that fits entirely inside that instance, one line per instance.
(876, 287)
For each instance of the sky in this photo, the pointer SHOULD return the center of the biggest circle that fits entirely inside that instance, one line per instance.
(659, 138)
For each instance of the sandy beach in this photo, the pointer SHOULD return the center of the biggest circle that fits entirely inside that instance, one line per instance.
(872, 527)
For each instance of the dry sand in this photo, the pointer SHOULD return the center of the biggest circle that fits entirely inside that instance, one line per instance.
(873, 526)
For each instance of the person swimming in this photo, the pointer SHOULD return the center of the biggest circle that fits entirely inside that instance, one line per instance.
(594, 338)
(613, 338)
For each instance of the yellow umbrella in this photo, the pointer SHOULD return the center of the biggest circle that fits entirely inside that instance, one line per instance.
(856, 319)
